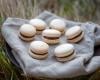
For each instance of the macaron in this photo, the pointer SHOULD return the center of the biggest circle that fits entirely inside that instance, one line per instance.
(27, 32)
(39, 24)
(38, 50)
(51, 36)
(74, 34)
(64, 52)
(58, 24)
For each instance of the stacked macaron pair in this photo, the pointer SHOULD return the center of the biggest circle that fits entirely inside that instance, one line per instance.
(39, 24)
(58, 24)
(27, 32)
(52, 35)
(38, 50)
(74, 34)
(63, 52)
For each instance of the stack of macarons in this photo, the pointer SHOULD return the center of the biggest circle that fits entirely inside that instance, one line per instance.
(65, 52)
(39, 24)
(27, 32)
(58, 24)
(51, 35)
(38, 49)
(74, 34)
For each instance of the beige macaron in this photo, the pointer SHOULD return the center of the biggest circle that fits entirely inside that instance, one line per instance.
(74, 34)
(38, 50)
(58, 24)
(64, 52)
(27, 32)
(51, 36)
(39, 24)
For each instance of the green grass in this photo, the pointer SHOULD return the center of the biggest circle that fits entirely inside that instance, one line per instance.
(6, 68)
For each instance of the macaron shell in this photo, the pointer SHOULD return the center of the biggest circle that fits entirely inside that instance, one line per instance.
(38, 56)
(64, 50)
(73, 31)
(77, 39)
(26, 39)
(39, 47)
(49, 41)
(61, 30)
(58, 24)
(65, 54)
(27, 29)
(38, 23)
(51, 33)
(67, 58)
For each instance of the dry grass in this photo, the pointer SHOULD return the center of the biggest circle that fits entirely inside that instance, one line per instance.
(18, 8)
(78, 10)
(24, 8)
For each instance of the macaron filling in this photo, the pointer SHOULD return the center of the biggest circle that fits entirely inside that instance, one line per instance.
(39, 29)
(76, 36)
(26, 36)
(67, 55)
(51, 37)
(38, 53)
(36, 56)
